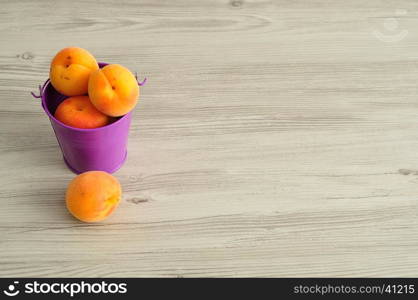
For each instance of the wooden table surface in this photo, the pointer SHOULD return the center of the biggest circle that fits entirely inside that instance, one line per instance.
(273, 138)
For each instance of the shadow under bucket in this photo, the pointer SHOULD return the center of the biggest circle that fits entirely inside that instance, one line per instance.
(98, 149)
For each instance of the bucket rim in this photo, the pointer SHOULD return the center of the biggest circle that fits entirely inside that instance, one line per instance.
(51, 116)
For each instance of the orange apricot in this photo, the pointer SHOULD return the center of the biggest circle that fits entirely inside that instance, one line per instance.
(78, 112)
(70, 71)
(92, 196)
(113, 90)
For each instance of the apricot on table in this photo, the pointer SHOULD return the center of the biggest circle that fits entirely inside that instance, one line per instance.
(92, 196)
(113, 90)
(78, 112)
(70, 71)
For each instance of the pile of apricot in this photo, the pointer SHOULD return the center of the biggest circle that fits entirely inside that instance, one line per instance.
(95, 96)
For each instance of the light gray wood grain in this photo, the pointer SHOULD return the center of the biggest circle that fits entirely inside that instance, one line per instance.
(273, 138)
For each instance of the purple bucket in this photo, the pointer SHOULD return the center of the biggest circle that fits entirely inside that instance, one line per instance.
(101, 149)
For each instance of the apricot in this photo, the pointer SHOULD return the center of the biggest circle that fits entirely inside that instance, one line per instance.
(70, 71)
(92, 196)
(113, 90)
(78, 112)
